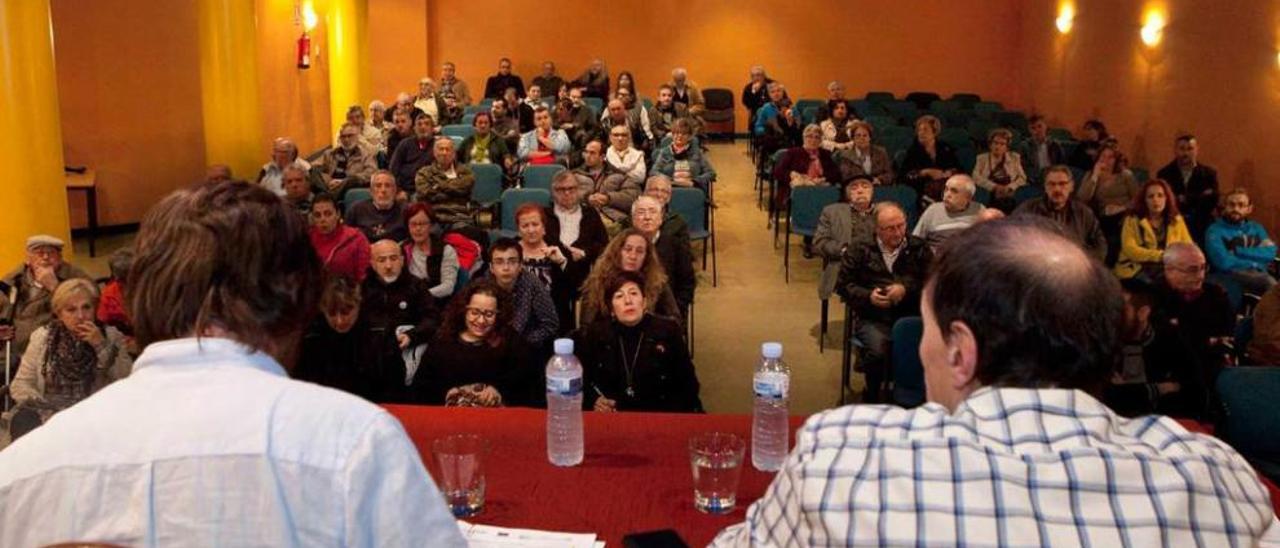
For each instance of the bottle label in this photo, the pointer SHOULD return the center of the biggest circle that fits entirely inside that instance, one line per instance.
(567, 387)
(771, 385)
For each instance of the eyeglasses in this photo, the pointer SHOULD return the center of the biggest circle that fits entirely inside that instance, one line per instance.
(480, 313)
(618, 135)
(564, 188)
(1193, 269)
(505, 262)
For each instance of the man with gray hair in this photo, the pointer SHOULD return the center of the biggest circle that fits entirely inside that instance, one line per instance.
(671, 241)
(881, 279)
(684, 92)
(1200, 312)
(957, 211)
(283, 152)
(1076, 219)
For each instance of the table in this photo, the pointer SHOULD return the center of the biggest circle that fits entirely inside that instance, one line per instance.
(635, 476)
(88, 183)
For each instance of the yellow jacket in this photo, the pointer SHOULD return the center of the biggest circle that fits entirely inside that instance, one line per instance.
(1138, 244)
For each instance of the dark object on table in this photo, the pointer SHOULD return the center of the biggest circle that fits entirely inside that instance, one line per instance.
(666, 538)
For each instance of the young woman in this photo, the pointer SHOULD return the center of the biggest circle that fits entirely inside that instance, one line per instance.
(1152, 224)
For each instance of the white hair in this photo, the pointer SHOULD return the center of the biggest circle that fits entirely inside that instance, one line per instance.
(964, 182)
(645, 199)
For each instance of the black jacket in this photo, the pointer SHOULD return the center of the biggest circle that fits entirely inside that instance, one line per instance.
(450, 362)
(662, 373)
(863, 270)
(1166, 357)
(386, 306)
(673, 248)
(592, 239)
(348, 362)
(1198, 196)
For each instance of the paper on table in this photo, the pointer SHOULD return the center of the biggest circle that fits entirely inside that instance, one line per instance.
(488, 536)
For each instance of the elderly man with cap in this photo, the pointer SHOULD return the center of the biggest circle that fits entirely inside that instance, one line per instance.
(28, 290)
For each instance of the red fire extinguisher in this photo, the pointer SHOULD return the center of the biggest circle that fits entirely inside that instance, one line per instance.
(304, 51)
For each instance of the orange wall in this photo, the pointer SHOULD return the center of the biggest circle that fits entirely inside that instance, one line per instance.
(129, 101)
(1214, 74)
(805, 43)
(397, 47)
(295, 102)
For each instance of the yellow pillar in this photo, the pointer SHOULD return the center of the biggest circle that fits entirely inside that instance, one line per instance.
(346, 27)
(231, 109)
(35, 197)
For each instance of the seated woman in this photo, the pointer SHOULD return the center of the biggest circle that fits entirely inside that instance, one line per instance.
(334, 352)
(864, 158)
(837, 131)
(1152, 224)
(547, 261)
(426, 255)
(544, 145)
(682, 162)
(929, 162)
(805, 165)
(343, 249)
(629, 251)
(782, 131)
(1109, 188)
(633, 360)
(485, 146)
(999, 170)
(476, 360)
(67, 359)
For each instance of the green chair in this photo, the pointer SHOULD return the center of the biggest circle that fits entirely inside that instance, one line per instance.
(512, 199)
(353, 197)
(908, 371)
(903, 195)
(540, 176)
(488, 188)
(1250, 418)
(803, 209)
(880, 97)
(691, 204)
(458, 130)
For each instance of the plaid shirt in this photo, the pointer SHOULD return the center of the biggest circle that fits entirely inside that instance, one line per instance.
(1011, 467)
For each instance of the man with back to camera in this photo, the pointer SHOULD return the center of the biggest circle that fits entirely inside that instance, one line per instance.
(208, 442)
(1013, 447)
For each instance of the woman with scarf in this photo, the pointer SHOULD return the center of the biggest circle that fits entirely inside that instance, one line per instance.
(683, 162)
(68, 358)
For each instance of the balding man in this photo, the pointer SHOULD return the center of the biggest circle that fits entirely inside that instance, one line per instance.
(881, 279)
(399, 312)
(283, 152)
(1075, 218)
(446, 185)
(1201, 312)
(957, 211)
(756, 93)
(1014, 447)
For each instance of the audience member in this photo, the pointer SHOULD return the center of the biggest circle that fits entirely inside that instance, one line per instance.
(577, 229)
(595, 80)
(1109, 188)
(524, 109)
(606, 189)
(835, 97)
(297, 191)
(756, 92)
(665, 113)
(1012, 371)
(497, 84)
(634, 119)
(548, 82)
(342, 249)
(283, 153)
(401, 129)
(112, 310)
(1158, 373)
(1040, 152)
(881, 278)
(350, 163)
(1264, 347)
(577, 119)
(506, 122)
(684, 92)
(1200, 312)
(547, 259)
(28, 290)
(1076, 220)
(621, 155)
(682, 161)
(1240, 247)
(449, 83)
(929, 162)
(999, 170)
(68, 358)
(426, 102)
(864, 158)
(476, 360)
(777, 94)
(957, 211)
(446, 185)
(218, 173)
(1086, 152)
(1152, 224)
(411, 155)
(485, 146)
(335, 350)
(782, 131)
(837, 128)
(626, 81)
(806, 165)
(841, 225)
(629, 251)
(544, 145)
(427, 256)
(377, 121)
(220, 294)
(370, 135)
(668, 233)
(533, 314)
(382, 216)
(1194, 184)
(450, 112)
(634, 360)
(400, 314)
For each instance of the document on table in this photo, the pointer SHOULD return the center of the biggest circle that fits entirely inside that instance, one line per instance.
(488, 536)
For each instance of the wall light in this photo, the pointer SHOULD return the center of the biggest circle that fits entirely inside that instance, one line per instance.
(1153, 28)
(1066, 17)
(309, 18)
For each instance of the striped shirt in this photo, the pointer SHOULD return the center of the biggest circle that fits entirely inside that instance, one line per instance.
(1010, 467)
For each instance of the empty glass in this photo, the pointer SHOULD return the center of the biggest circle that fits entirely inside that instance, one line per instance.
(716, 461)
(460, 458)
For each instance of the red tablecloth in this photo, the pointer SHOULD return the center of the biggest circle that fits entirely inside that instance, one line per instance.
(635, 476)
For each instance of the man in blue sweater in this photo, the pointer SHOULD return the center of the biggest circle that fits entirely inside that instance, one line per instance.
(1239, 247)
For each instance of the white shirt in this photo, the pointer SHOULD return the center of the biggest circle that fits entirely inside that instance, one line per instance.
(629, 161)
(207, 444)
(570, 223)
(273, 175)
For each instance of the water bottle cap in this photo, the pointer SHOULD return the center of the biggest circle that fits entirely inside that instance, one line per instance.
(564, 346)
(771, 350)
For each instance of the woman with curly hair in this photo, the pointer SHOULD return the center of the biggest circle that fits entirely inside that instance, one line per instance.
(629, 251)
(1152, 224)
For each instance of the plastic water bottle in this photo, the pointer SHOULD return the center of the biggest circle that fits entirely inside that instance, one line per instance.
(769, 431)
(564, 406)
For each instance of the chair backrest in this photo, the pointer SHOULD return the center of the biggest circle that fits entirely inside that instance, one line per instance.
(1013, 120)
(691, 204)
(966, 99)
(468, 119)
(596, 103)
(880, 96)
(981, 195)
(806, 205)
(865, 108)
(802, 104)
(648, 103)
(955, 136)
(880, 122)
(991, 107)
(905, 111)
(903, 195)
(513, 198)
(968, 157)
(941, 106)
(353, 197)
(908, 371)
(922, 99)
(1140, 174)
(457, 130)
(1028, 192)
(808, 115)
(1061, 134)
(488, 187)
(1250, 417)
(540, 176)
(718, 98)
(457, 142)
(486, 103)
(472, 109)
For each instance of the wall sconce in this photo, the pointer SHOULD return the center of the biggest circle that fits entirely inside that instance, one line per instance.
(1066, 17)
(1153, 28)
(309, 21)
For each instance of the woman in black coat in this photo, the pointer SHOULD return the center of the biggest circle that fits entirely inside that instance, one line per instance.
(929, 162)
(636, 361)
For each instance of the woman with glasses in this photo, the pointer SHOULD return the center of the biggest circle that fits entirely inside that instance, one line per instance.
(476, 359)
(682, 161)
(426, 255)
(864, 158)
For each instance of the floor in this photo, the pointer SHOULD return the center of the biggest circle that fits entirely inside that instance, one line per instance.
(751, 303)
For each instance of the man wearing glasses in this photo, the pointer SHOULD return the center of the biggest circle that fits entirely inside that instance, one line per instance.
(533, 312)
(1199, 311)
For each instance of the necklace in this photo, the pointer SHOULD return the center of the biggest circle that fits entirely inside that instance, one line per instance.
(628, 368)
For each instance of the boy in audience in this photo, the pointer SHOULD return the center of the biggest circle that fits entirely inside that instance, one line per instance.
(1240, 247)
(533, 312)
